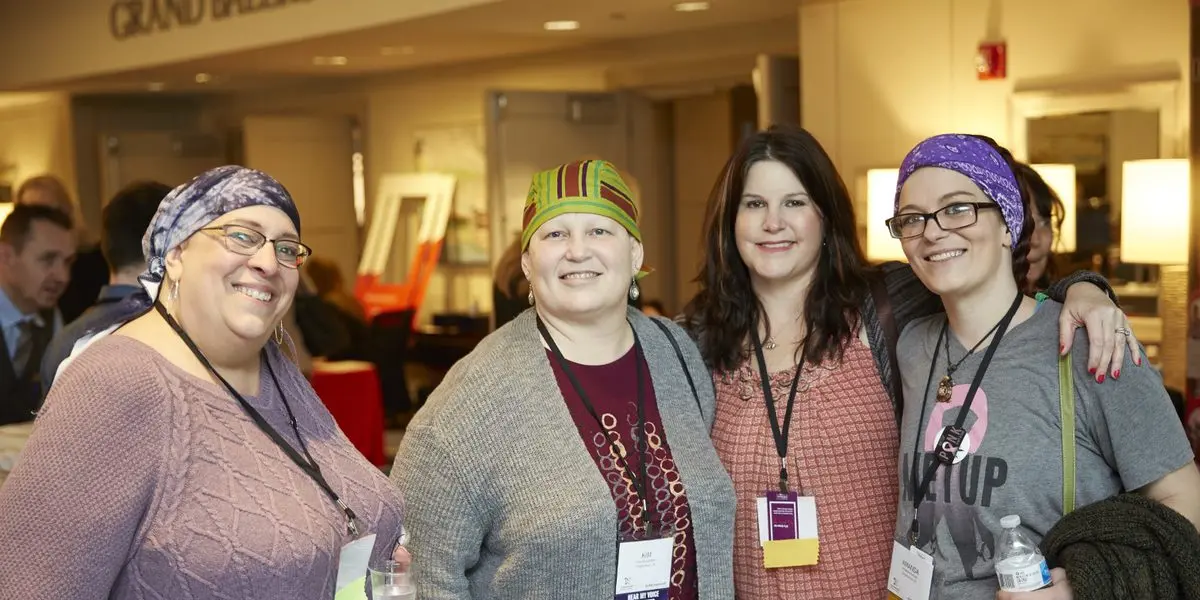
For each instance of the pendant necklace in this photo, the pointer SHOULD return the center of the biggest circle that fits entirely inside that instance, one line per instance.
(945, 387)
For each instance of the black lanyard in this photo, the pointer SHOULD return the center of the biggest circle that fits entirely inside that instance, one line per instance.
(306, 463)
(639, 485)
(951, 439)
(780, 434)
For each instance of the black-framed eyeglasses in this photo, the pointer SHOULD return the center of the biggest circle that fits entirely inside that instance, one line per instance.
(949, 217)
(243, 240)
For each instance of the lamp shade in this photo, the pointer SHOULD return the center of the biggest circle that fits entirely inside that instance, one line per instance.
(1061, 179)
(1154, 211)
(5, 208)
(881, 205)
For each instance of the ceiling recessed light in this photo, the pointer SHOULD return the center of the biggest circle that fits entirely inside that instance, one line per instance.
(691, 6)
(203, 78)
(394, 50)
(561, 25)
(156, 86)
(336, 61)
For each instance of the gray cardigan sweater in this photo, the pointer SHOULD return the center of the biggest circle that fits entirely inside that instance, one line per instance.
(503, 499)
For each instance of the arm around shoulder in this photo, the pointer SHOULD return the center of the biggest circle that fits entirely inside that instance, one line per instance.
(86, 481)
(445, 530)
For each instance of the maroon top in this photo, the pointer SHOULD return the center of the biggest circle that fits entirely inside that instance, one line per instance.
(612, 391)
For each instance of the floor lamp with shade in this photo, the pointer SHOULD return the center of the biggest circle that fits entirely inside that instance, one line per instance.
(1154, 230)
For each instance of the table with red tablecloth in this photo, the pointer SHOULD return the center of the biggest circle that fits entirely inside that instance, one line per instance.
(350, 390)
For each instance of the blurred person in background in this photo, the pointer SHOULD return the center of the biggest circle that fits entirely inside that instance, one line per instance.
(1048, 214)
(123, 224)
(36, 250)
(89, 272)
(510, 289)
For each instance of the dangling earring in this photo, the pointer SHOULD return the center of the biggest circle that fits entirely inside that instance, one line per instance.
(279, 334)
(634, 292)
(174, 295)
(531, 293)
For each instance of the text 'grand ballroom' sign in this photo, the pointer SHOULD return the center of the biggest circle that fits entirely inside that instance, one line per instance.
(132, 18)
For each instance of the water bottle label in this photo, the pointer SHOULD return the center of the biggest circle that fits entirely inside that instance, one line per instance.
(1023, 577)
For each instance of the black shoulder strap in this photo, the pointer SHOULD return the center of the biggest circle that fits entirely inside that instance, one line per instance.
(891, 336)
(682, 363)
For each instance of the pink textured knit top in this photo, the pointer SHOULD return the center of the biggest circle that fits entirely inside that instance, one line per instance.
(842, 450)
(143, 481)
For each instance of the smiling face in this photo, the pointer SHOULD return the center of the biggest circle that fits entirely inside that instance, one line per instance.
(227, 292)
(777, 226)
(581, 265)
(961, 261)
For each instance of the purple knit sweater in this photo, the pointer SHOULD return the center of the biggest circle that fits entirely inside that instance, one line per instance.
(142, 481)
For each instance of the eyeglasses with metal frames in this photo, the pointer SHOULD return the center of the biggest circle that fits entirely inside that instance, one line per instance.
(243, 240)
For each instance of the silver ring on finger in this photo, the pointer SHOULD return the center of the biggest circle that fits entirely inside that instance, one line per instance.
(1124, 331)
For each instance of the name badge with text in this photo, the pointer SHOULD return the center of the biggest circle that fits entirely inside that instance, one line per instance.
(787, 530)
(911, 575)
(644, 569)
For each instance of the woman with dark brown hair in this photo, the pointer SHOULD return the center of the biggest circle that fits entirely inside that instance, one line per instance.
(1048, 212)
(788, 309)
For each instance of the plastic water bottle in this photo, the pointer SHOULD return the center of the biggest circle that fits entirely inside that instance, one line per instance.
(1020, 566)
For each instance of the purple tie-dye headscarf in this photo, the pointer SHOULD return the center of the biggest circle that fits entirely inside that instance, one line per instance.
(978, 161)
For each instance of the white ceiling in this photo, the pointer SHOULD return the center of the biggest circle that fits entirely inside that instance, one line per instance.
(619, 31)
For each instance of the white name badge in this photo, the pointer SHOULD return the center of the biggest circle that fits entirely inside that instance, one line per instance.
(644, 569)
(352, 569)
(911, 575)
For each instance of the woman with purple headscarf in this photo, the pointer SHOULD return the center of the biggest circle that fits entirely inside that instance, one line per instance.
(181, 454)
(981, 437)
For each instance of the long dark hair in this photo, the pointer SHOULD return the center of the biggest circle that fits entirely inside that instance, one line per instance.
(1043, 199)
(726, 309)
(1020, 252)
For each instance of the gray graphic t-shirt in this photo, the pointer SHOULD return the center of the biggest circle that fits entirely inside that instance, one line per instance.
(1127, 435)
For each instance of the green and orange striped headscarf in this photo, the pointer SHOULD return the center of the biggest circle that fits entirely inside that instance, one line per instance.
(584, 186)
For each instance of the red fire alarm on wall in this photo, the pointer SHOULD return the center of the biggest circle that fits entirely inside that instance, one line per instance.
(991, 61)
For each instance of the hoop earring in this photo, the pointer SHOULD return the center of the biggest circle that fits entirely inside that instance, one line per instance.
(173, 296)
(634, 291)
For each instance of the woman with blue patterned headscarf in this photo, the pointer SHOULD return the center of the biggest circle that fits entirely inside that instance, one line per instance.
(181, 454)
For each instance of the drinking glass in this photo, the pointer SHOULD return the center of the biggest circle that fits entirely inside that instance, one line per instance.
(392, 582)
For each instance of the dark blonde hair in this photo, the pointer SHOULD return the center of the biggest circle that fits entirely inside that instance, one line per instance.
(509, 277)
(57, 190)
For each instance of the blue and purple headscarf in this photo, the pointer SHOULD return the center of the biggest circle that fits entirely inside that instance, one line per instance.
(978, 161)
(186, 210)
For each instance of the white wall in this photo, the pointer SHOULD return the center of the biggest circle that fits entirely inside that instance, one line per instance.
(703, 140)
(877, 76)
(35, 139)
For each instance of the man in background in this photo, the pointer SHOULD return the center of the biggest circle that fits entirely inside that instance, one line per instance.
(123, 224)
(37, 247)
